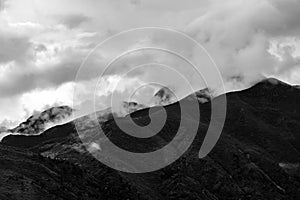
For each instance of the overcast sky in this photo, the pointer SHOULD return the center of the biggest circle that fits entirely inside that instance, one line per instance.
(43, 43)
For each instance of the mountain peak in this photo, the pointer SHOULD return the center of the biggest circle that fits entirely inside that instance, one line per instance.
(273, 81)
(38, 122)
(204, 95)
(164, 96)
(270, 84)
(132, 106)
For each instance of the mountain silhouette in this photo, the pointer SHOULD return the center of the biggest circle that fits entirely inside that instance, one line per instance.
(256, 157)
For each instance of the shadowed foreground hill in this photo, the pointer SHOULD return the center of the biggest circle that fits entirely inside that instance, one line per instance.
(257, 156)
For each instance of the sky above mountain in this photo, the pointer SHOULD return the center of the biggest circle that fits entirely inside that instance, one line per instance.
(43, 44)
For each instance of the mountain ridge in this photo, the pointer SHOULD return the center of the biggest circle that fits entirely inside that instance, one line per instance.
(256, 157)
(38, 122)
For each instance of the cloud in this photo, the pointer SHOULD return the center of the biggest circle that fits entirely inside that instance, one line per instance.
(42, 66)
(2, 4)
(50, 53)
(6, 124)
(41, 48)
(19, 83)
(238, 34)
(43, 44)
(14, 48)
(73, 21)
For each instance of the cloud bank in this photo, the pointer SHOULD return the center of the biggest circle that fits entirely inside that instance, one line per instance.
(43, 44)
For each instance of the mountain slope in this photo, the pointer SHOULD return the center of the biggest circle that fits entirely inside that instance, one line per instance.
(256, 157)
(26, 175)
(37, 123)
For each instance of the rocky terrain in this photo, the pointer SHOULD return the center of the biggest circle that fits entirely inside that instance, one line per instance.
(163, 96)
(39, 122)
(256, 157)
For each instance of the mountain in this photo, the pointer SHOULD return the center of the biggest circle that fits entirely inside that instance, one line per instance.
(256, 157)
(130, 107)
(164, 96)
(3, 129)
(37, 123)
(3, 132)
(204, 95)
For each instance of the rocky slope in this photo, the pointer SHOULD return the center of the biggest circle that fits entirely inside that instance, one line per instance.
(163, 96)
(256, 157)
(38, 123)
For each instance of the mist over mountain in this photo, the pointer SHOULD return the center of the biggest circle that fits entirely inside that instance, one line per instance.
(39, 122)
(256, 157)
(164, 96)
(204, 95)
(149, 100)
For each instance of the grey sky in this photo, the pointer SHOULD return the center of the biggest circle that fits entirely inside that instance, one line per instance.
(43, 43)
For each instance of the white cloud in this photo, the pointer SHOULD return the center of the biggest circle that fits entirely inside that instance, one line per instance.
(239, 34)
(43, 43)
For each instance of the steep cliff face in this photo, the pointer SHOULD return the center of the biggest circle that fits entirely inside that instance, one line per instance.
(256, 157)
